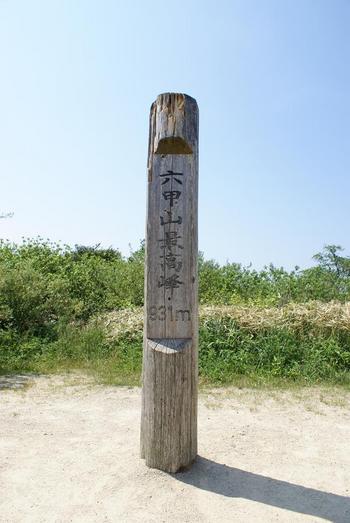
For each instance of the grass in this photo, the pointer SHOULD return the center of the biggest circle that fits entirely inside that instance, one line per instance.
(245, 346)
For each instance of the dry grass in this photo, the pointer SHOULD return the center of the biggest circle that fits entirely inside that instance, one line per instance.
(310, 317)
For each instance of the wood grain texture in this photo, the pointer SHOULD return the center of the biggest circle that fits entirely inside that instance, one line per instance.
(170, 360)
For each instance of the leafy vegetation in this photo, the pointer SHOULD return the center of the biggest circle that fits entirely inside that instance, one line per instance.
(63, 308)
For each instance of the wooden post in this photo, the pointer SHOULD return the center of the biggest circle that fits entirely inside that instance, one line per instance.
(170, 353)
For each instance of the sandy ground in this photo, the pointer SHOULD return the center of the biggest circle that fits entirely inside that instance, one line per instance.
(69, 451)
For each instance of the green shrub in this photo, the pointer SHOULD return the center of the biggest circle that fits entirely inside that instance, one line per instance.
(228, 349)
(32, 302)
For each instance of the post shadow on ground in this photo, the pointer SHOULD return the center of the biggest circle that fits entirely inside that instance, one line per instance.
(15, 381)
(236, 483)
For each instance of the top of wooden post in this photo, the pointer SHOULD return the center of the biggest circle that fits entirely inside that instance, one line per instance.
(174, 118)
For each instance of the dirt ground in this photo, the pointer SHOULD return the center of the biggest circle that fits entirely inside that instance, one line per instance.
(69, 452)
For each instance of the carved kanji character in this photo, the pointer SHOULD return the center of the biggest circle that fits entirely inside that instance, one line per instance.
(172, 282)
(172, 196)
(171, 175)
(170, 240)
(171, 262)
(170, 216)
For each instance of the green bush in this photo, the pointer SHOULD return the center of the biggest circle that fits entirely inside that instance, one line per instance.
(32, 302)
(42, 284)
(228, 350)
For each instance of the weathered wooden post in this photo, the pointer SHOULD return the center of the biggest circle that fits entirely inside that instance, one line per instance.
(170, 354)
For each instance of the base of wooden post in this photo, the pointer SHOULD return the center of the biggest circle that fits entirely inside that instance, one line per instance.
(169, 410)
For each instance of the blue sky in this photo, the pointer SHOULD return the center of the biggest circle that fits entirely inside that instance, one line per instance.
(272, 81)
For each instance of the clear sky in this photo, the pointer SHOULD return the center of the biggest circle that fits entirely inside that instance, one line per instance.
(272, 81)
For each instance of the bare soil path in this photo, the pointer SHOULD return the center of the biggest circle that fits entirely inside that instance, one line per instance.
(69, 452)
